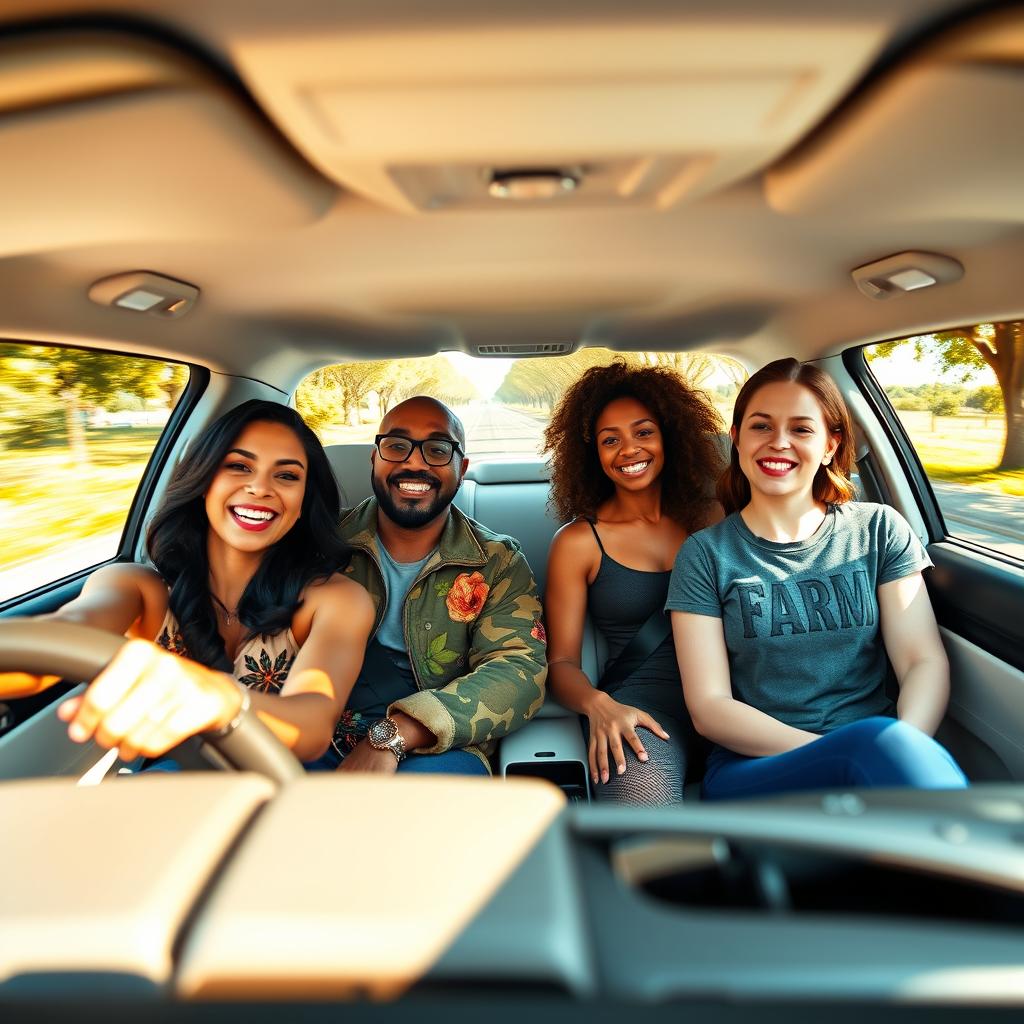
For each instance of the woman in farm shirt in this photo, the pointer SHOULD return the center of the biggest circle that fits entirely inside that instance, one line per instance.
(784, 613)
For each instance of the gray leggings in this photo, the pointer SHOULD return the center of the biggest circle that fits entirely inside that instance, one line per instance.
(652, 783)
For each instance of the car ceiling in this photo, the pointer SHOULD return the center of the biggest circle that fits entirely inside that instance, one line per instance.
(318, 170)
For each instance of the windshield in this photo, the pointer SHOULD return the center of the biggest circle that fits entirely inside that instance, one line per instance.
(504, 404)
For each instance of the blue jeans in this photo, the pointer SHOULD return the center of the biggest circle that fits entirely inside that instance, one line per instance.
(873, 752)
(451, 762)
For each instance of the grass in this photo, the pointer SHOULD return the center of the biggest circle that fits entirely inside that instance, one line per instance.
(47, 501)
(963, 450)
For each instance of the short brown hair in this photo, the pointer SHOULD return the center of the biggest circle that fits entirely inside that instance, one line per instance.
(832, 482)
(689, 424)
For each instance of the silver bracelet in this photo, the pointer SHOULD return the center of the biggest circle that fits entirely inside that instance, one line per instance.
(235, 722)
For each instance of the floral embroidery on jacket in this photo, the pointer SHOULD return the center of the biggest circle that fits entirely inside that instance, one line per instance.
(438, 656)
(264, 675)
(466, 598)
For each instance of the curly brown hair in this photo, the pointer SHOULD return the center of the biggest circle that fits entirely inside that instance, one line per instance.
(689, 424)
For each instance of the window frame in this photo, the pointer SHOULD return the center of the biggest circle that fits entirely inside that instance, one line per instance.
(856, 363)
(976, 591)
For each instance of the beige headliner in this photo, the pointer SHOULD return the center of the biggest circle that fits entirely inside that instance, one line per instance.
(737, 166)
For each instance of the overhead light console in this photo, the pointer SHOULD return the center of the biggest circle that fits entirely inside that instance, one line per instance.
(145, 292)
(906, 272)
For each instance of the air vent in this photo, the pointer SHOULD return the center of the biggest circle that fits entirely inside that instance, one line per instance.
(557, 348)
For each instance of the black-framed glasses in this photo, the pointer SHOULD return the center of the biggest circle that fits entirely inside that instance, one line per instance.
(436, 451)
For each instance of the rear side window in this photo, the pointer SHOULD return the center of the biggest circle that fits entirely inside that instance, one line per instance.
(958, 395)
(77, 428)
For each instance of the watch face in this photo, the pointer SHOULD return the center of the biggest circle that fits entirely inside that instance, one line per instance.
(382, 732)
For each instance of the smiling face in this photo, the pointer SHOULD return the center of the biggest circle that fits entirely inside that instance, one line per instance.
(783, 440)
(256, 495)
(412, 494)
(629, 444)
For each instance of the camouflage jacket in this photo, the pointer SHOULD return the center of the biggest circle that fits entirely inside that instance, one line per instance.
(472, 625)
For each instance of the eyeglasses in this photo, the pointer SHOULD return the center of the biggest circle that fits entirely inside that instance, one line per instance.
(435, 450)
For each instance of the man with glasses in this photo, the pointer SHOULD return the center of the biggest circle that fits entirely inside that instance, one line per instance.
(457, 656)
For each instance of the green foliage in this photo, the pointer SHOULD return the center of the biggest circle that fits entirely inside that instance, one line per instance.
(125, 401)
(341, 394)
(46, 390)
(988, 398)
(997, 347)
(541, 382)
(944, 405)
(95, 376)
(940, 399)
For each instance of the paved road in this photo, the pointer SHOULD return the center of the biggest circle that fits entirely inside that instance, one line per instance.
(495, 430)
(995, 520)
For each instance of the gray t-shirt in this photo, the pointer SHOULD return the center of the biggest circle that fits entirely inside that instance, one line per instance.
(386, 675)
(398, 580)
(801, 619)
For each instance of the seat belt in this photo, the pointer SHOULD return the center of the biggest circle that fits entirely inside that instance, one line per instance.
(644, 642)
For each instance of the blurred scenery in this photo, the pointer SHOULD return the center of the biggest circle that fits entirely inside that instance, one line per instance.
(959, 397)
(77, 428)
(504, 403)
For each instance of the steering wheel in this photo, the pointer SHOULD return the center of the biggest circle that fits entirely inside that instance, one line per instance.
(81, 652)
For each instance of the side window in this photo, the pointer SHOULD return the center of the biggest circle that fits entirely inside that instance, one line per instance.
(958, 396)
(77, 428)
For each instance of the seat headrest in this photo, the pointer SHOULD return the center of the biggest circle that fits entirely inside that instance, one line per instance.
(518, 471)
(351, 466)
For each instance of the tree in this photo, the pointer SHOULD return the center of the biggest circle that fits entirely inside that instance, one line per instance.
(340, 393)
(999, 346)
(988, 398)
(80, 378)
(541, 382)
(944, 405)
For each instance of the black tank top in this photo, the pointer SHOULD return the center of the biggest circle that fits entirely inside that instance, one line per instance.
(619, 601)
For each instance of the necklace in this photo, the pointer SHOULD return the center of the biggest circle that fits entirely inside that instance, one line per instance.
(230, 614)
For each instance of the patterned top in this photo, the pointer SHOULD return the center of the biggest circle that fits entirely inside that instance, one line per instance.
(262, 662)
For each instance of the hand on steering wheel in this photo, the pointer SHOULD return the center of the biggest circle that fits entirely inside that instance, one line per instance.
(147, 701)
(144, 700)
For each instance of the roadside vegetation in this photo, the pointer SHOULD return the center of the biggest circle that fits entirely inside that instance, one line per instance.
(77, 429)
(40, 512)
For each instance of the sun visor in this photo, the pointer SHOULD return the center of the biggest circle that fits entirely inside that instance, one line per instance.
(909, 148)
(162, 149)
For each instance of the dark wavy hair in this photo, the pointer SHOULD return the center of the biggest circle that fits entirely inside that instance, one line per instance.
(177, 536)
(832, 482)
(689, 424)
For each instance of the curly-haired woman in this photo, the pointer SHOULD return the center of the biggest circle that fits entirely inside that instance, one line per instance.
(634, 454)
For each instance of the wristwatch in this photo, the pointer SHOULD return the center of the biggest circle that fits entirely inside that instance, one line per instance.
(384, 735)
